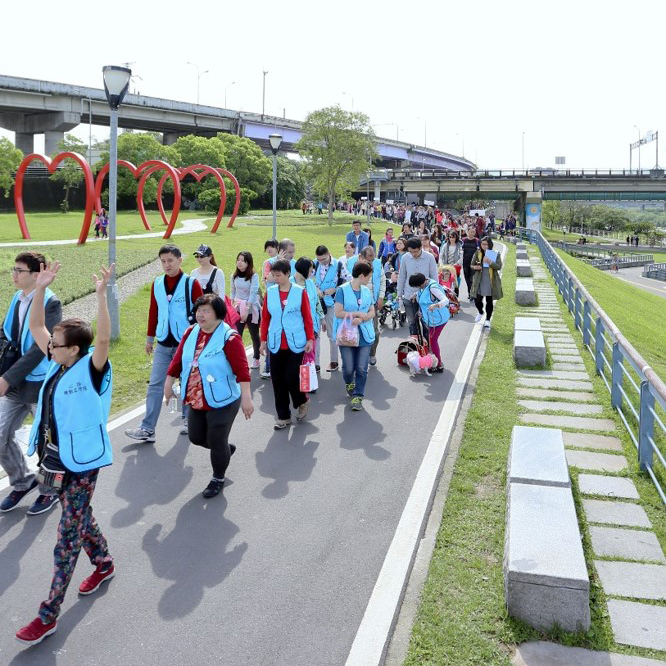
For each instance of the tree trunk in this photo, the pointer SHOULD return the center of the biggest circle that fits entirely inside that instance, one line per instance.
(331, 201)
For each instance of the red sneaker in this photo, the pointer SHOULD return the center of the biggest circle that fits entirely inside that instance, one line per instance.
(35, 632)
(93, 581)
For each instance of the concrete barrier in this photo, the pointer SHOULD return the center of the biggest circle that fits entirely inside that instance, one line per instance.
(545, 577)
(526, 324)
(521, 246)
(529, 349)
(521, 254)
(523, 268)
(537, 457)
(525, 294)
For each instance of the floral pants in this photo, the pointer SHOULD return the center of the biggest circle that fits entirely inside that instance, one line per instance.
(78, 528)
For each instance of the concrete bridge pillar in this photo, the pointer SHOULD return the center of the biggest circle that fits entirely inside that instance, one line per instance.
(378, 190)
(51, 140)
(533, 202)
(25, 142)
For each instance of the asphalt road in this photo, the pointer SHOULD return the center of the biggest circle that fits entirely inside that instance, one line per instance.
(634, 276)
(277, 570)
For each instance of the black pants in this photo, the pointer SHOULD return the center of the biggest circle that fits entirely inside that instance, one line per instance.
(210, 428)
(254, 334)
(478, 301)
(286, 381)
(467, 270)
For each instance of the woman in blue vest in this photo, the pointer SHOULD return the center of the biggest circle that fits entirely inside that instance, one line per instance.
(69, 432)
(434, 306)
(328, 277)
(214, 382)
(303, 278)
(356, 300)
(287, 332)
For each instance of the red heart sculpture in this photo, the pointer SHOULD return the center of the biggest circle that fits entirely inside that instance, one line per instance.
(234, 182)
(136, 171)
(199, 171)
(149, 168)
(51, 166)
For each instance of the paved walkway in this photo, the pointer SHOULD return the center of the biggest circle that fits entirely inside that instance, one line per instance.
(277, 570)
(635, 276)
(628, 559)
(188, 227)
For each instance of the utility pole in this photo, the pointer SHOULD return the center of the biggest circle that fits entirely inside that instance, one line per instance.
(263, 100)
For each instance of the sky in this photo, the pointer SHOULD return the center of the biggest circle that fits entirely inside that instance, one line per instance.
(575, 79)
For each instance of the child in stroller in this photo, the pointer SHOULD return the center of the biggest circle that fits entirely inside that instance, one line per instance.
(391, 306)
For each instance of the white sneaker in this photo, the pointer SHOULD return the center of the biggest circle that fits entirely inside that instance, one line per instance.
(183, 427)
(479, 317)
(486, 324)
(255, 364)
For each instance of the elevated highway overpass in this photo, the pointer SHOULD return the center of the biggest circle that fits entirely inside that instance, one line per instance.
(30, 106)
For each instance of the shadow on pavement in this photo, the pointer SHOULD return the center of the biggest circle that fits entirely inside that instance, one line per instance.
(13, 552)
(289, 457)
(193, 554)
(147, 478)
(359, 431)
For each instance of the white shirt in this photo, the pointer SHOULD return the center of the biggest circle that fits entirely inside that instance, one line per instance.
(344, 273)
(24, 304)
(218, 286)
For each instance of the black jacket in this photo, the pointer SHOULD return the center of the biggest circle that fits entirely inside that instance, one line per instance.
(469, 247)
(20, 389)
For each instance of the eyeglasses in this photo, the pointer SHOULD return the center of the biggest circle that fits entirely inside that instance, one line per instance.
(16, 270)
(55, 346)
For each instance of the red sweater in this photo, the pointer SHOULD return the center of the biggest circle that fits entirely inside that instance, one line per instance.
(305, 312)
(170, 283)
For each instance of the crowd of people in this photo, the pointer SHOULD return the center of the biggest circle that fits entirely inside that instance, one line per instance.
(49, 366)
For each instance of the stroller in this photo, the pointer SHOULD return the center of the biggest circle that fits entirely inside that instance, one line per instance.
(392, 309)
(417, 343)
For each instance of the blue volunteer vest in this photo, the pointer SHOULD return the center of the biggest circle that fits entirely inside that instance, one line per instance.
(80, 415)
(351, 304)
(436, 317)
(289, 319)
(39, 373)
(311, 291)
(329, 281)
(377, 271)
(220, 385)
(171, 315)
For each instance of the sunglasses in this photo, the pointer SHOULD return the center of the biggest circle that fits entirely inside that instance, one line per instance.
(55, 346)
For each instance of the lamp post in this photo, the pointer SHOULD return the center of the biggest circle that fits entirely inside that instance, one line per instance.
(199, 75)
(116, 83)
(263, 97)
(225, 93)
(639, 149)
(276, 141)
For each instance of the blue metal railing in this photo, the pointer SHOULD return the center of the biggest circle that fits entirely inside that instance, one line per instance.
(637, 393)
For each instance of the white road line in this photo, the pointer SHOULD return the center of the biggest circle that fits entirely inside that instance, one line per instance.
(372, 638)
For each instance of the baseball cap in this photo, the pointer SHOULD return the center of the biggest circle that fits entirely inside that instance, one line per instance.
(203, 250)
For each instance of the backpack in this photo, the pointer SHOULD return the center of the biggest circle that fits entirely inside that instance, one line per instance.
(211, 282)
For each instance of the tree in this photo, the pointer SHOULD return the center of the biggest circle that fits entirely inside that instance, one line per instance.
(551, 213)
(210, 200)
(290, 185)
(10, 158)
(339, 147)
(193, 149)
(69, 174)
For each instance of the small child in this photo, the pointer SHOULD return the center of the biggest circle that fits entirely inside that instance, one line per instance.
(446, 277)
(392, 286)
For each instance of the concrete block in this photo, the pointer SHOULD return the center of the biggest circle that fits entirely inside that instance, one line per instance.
(585, 440)
(633, 579)
(626, 543)
(537, 456)
(573, 422)
(526, 324)
(525, 292)
(521, 254)
(547, 382)
(608, 486)
(555, 374)
(543, 653)
(642, 625)
(598, 462)
(521, 246)
(544, 394)
(523, 268)
(529, 349)
(553, 406)
(545, 576)
(615, 513)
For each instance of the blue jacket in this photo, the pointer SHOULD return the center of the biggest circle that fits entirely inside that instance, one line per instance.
(377, 274)
(329, 282)
(80, 415)
(438, 316)
(361, 241)
(220, 385)
(289, 319)
(172, 314)
(311, 290)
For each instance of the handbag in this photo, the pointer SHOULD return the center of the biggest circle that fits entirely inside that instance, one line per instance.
(9, 354)
(348, 334)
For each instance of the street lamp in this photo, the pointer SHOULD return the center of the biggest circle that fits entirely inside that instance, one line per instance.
(225, 93)
(276, 141)
(639, 149)
(116, 83)
(199, 75)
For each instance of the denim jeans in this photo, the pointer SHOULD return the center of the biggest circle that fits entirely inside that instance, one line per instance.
(155, 396)
(329, 319)
(355, 367)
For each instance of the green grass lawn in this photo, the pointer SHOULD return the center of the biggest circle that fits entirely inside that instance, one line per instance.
(295, 218)
(639, 314)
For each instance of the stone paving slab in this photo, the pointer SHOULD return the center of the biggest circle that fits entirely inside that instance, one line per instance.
(547, 382)
(626, 543)
(632, 579)
(562, 349)
(588, 440)
(553, 328)
(642, 625)
(597, 462)
(552, 406)
(555, 374)
(616, 513)
(542, 653)
(568, 365)
(574, 422)
(544, 394)
(609, 486)
(566, 358)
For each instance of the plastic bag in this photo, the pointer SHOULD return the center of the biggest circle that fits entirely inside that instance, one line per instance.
(348, 333)
(308, 376)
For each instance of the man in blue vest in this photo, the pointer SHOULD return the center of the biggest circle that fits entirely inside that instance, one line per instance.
(378, 288)
(21, 381)
(328, 277)
(357, 236)
(171, 299)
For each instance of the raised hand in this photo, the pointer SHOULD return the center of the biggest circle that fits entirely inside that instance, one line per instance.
(47, 274)
(101, 283)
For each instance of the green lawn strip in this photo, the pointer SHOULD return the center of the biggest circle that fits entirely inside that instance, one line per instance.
(295, 218)
(619, 245)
